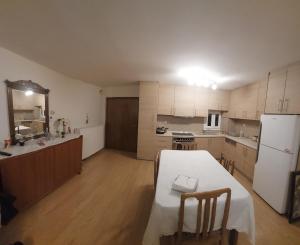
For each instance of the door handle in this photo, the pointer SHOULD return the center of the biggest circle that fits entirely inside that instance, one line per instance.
(258, 143)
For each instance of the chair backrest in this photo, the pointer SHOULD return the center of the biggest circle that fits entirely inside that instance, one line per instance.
(186, 146)
(156, 168)
(229, 166)
(209, 213)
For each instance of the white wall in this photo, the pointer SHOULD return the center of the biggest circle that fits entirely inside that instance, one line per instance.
(68, 98)
(128, 90)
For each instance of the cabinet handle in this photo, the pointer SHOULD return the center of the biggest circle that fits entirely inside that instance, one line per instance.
(280, 104)
(286, 102)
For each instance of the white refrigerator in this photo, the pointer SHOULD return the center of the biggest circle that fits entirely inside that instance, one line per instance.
(277, 156)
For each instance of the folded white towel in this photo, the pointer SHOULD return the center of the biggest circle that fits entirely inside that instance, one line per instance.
(184, 183)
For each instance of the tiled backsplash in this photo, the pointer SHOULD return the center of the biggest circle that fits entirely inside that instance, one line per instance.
(195, 124)
(233, 127)
(192, 124)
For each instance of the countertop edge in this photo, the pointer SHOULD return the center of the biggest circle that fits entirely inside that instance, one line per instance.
(22, 150)
(236, 139)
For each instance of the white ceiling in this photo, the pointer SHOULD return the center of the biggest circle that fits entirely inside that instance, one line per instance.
(113, 42)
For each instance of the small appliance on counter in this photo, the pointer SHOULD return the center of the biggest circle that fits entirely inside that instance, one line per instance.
(161, 130)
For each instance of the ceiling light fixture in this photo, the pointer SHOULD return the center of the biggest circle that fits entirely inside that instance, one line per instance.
(200, 77)
(28, 92)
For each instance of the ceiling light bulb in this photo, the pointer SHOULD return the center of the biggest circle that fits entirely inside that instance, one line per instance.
(214, 86)
(191, 83)
(206, 85)
(28, 92)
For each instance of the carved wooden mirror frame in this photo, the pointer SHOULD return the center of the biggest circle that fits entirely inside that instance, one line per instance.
(24, 85)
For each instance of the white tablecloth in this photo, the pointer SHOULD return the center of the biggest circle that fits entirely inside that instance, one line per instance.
(211, 175)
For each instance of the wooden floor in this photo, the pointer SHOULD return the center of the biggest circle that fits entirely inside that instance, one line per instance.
(110, 202)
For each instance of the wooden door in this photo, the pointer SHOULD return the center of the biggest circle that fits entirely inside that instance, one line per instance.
(166, 99)
(291, 103)
(121, 128)
(275, 93)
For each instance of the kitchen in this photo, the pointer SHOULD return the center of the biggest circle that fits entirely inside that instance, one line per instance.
(149, 122)
(225, 123)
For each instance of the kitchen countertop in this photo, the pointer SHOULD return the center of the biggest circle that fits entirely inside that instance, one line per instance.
(242, 140)
(17, 150)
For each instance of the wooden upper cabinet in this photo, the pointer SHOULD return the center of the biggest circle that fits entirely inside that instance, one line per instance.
(184, 101)
(148, 95)
(166, 94)
(261, 98)
(218, 100)
(291, 103)
(243, 102)
(250, 101)
(201, 102)
(275, 93)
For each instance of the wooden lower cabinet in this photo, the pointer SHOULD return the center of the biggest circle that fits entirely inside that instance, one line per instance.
(214, 145)
(202, 143)
(163, 143)
(30, 177)
(229, 150)
(245, 160)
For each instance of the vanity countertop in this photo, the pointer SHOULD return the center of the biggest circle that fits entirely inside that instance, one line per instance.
(17, 150)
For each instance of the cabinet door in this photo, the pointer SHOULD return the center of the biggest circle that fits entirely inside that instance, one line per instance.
(148, 95)
(249, 162)
(234, 104)
(224, 100)
(213, 100)
(250, 100)
(184, 101)
(215, 146)
(202, 143)
(166, 99)
(163, 143)
(261, 98)
(230, 151)
(240, 156)
(292, 91)
(201, 102)
(148, 102)
(275, 93)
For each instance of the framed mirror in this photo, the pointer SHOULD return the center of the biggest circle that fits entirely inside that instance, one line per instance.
(28, 110)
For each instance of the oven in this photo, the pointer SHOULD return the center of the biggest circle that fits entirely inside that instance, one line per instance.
(180, 139)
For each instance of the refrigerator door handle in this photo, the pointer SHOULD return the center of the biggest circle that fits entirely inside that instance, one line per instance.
(258, 143)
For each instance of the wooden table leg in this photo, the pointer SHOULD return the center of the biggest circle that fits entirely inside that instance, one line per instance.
(233, 237)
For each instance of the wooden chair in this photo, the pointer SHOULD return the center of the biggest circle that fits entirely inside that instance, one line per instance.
(229, 166)
(221, 159)
(206, 234)
(186, 146)
(156, 168)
